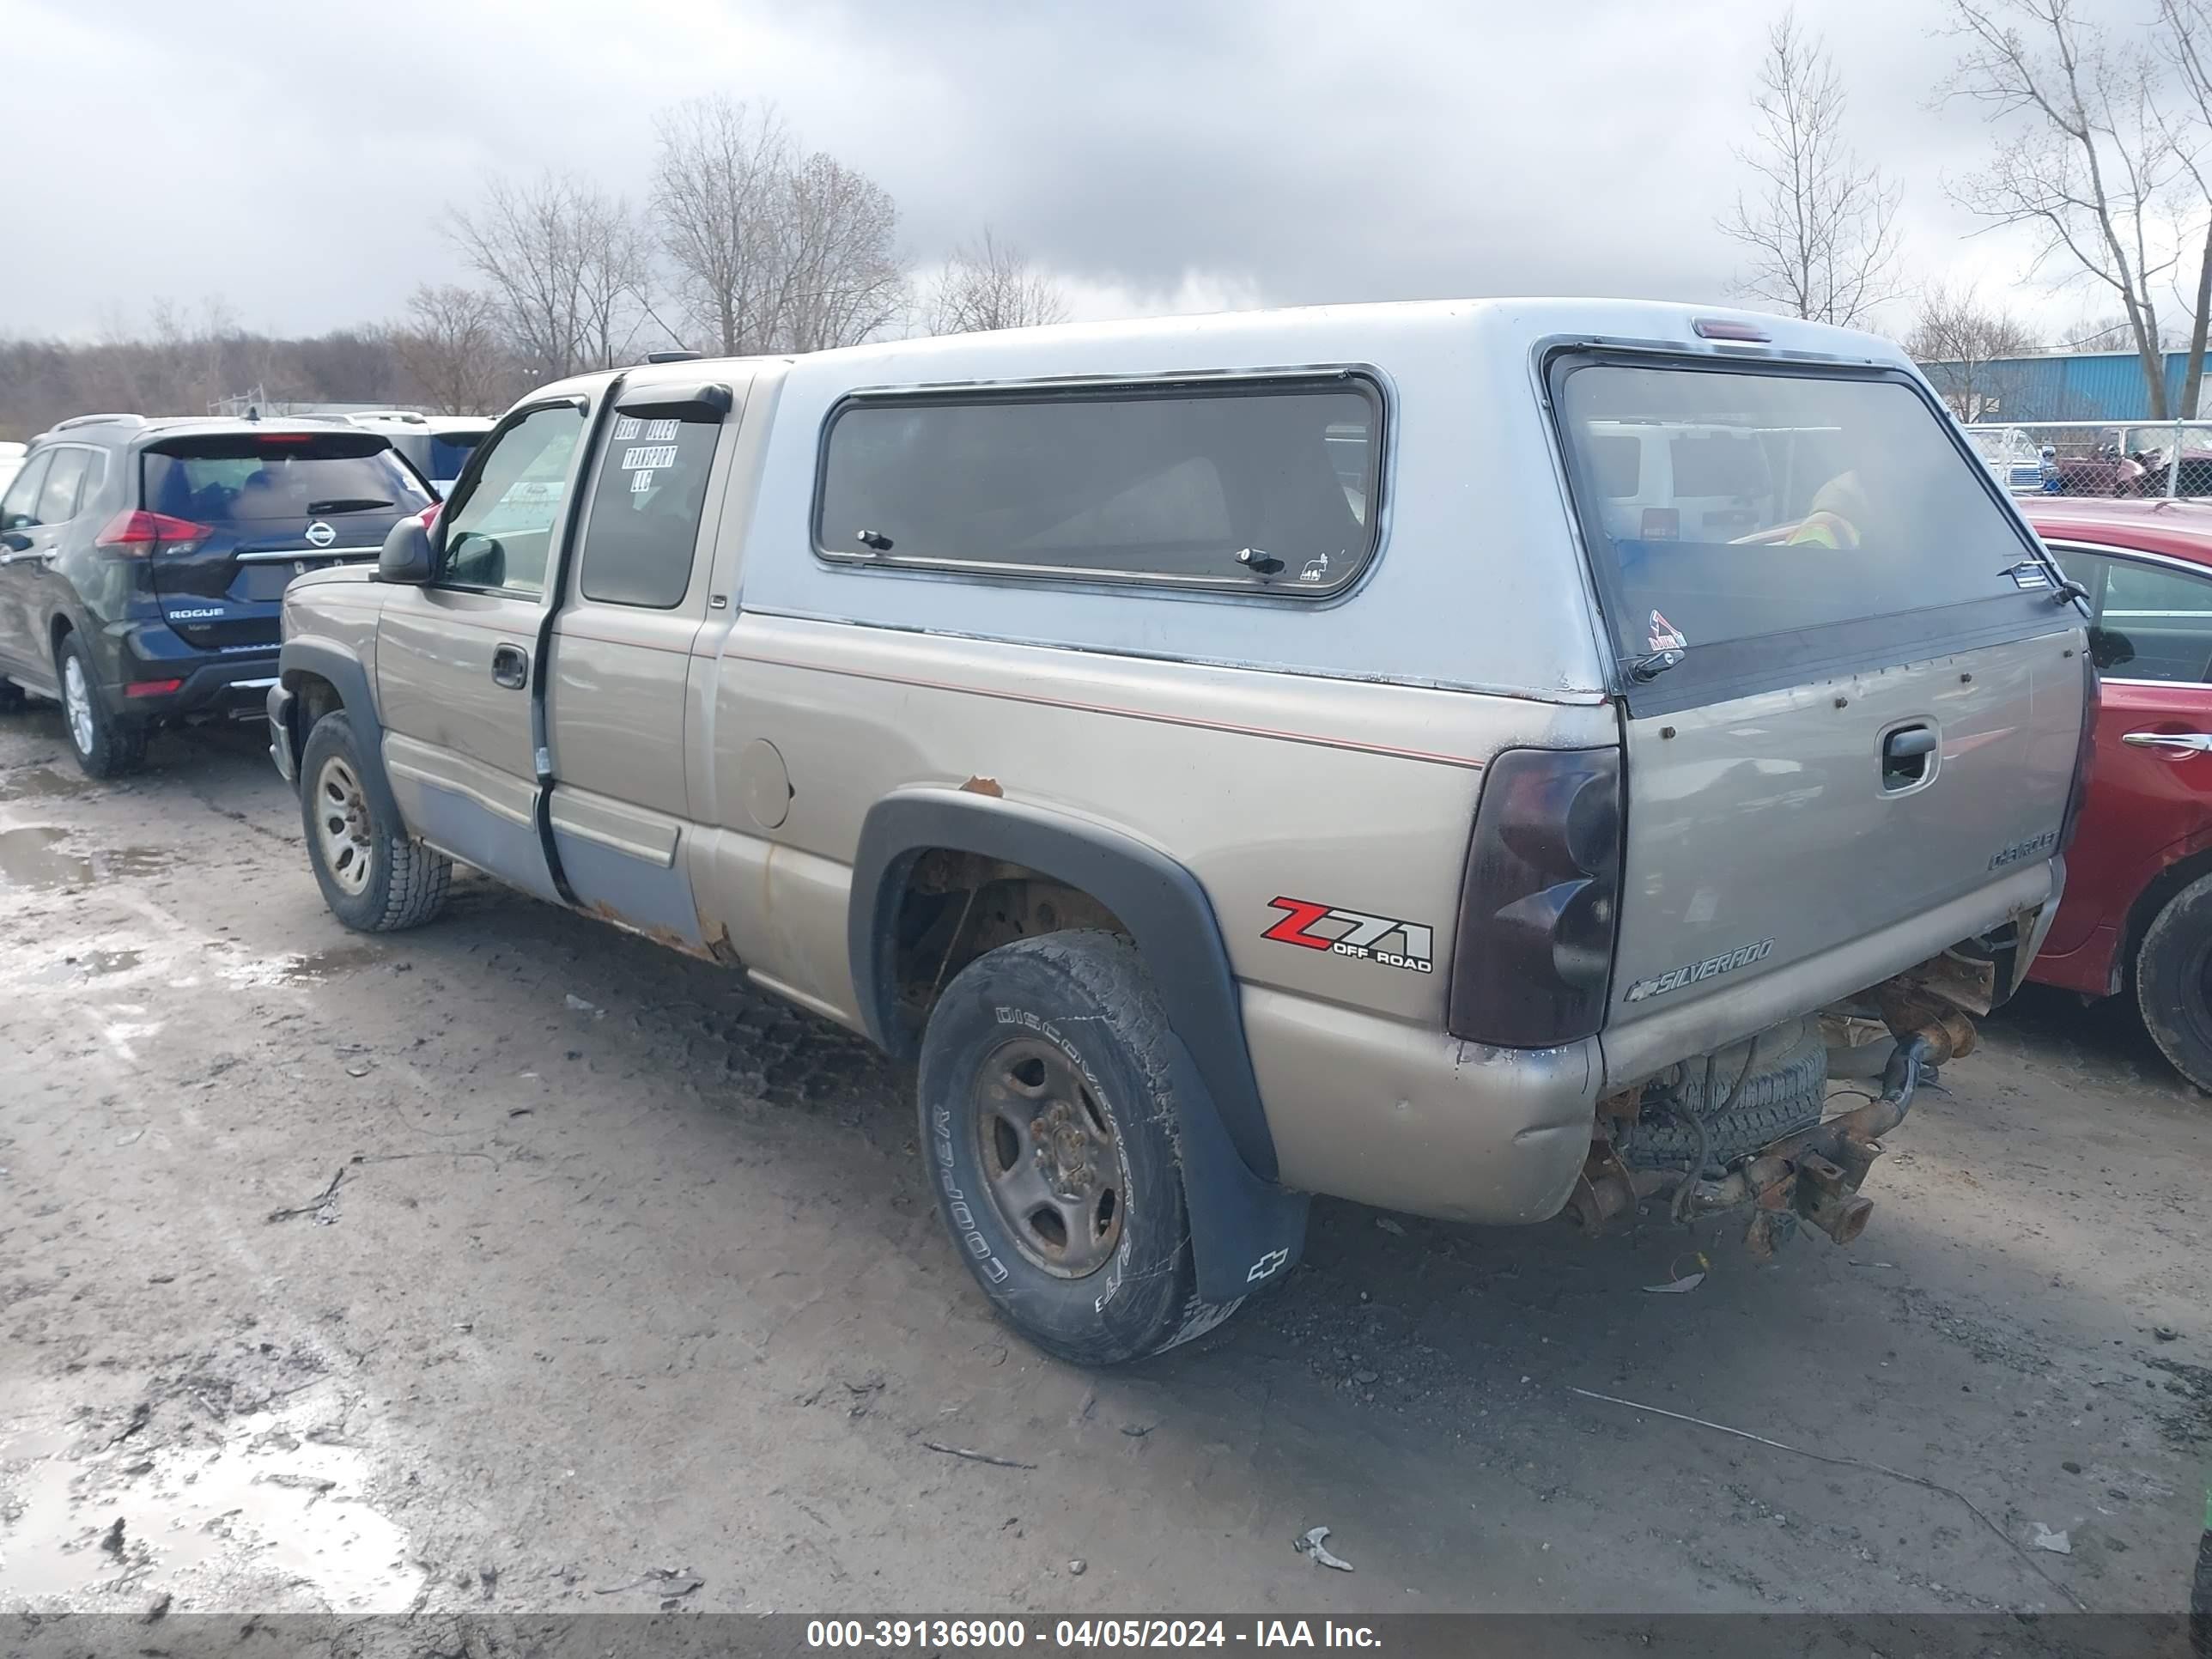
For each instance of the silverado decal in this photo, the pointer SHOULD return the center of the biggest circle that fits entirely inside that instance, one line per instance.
(1694, 973)
(1354, 933)
(2023, 849)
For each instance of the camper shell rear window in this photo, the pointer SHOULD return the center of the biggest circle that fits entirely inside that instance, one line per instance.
(1726, 504)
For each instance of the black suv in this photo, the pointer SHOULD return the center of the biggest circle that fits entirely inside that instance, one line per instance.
(142, 561)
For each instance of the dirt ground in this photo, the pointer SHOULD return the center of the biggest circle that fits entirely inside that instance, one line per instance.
(520, 1265)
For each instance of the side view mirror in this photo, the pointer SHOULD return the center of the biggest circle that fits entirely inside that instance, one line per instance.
(16, 542)
(409, 555)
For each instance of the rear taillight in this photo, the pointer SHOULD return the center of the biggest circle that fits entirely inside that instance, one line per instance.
(140, 534)
(1541, 904)
(2085, 750)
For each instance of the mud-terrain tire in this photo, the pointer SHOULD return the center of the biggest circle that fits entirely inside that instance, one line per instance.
(2173, 981)
(105, 747)
(1786, 1090)
(1049, 1127)
(375, 878)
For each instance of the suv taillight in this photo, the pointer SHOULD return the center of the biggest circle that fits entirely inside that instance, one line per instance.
(2085, 751)
(1541, 904)
(138, 534)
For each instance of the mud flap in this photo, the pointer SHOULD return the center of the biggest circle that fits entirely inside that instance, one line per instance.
(1246, 1234)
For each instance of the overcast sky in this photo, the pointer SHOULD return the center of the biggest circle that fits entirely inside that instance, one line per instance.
(294, 159)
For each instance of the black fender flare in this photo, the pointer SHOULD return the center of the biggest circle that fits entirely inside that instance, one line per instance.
(343, 671)
(1247, 1230)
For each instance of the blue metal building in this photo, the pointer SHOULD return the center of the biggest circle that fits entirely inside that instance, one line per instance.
(2090, 385)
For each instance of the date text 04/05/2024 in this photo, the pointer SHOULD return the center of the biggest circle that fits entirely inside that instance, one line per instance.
(890, 1635)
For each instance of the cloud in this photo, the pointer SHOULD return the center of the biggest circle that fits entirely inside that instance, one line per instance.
(297, 160)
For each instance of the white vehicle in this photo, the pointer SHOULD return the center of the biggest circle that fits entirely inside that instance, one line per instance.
(2011, 454)
(1669, 480)
(436, 445)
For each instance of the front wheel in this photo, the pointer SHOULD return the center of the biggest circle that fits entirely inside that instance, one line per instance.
(375, 878)
(105, 747)
(1048, 1120)
(2173, 981)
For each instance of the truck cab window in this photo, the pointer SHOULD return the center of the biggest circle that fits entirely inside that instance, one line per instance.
(645, 513)
(499, 532)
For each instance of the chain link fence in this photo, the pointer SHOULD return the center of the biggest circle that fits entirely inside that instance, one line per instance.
(2134, 460)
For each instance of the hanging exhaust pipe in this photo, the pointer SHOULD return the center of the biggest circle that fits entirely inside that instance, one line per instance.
(1814, 1173)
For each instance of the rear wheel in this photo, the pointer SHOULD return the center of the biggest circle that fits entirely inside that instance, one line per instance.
(1048, 1119)
(105, 747)
(2173, 981)
(373, 878)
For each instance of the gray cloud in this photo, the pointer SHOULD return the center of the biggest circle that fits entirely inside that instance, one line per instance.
(296, 159)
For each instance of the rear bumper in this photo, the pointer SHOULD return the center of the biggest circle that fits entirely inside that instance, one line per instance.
(2092, 967)
(1406, 1118)
(207, 682)
(230, 686)
(1640, 1048)
(1393, 1114)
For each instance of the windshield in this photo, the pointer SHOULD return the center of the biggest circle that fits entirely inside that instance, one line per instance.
(253, 476)
(449, 453)
(438, 456)
(1732, 504)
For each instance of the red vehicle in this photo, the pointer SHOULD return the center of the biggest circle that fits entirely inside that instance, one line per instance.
(2138, 904)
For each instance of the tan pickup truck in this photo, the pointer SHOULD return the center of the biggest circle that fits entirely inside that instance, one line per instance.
(1478, 759)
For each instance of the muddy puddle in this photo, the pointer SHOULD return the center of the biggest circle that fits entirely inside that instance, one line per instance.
(36, 856)
(295, 967)
(270, 1517)
(85, 965)
(42, 783)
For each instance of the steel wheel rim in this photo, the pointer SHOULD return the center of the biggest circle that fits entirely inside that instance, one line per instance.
(342, 826)
(1051, 1157)
(76, 701)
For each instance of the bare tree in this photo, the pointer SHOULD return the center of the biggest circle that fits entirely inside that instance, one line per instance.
(1962, 345)
(992, 285)
(840, 280)
(2111, 332)
(771, 251)
(566, 264)
(2085, 163)
(2184, 33)
(1822, 229)
(614, 279)
(196, 357)
(450, 345)
(716, 185)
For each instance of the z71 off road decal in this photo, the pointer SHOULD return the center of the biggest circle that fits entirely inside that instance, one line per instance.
(1694, 973)
(1354, 933)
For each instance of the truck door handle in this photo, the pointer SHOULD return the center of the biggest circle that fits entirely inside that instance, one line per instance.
(1905, 757)
(510, 666)
(1906, 745)
(2198, 742)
